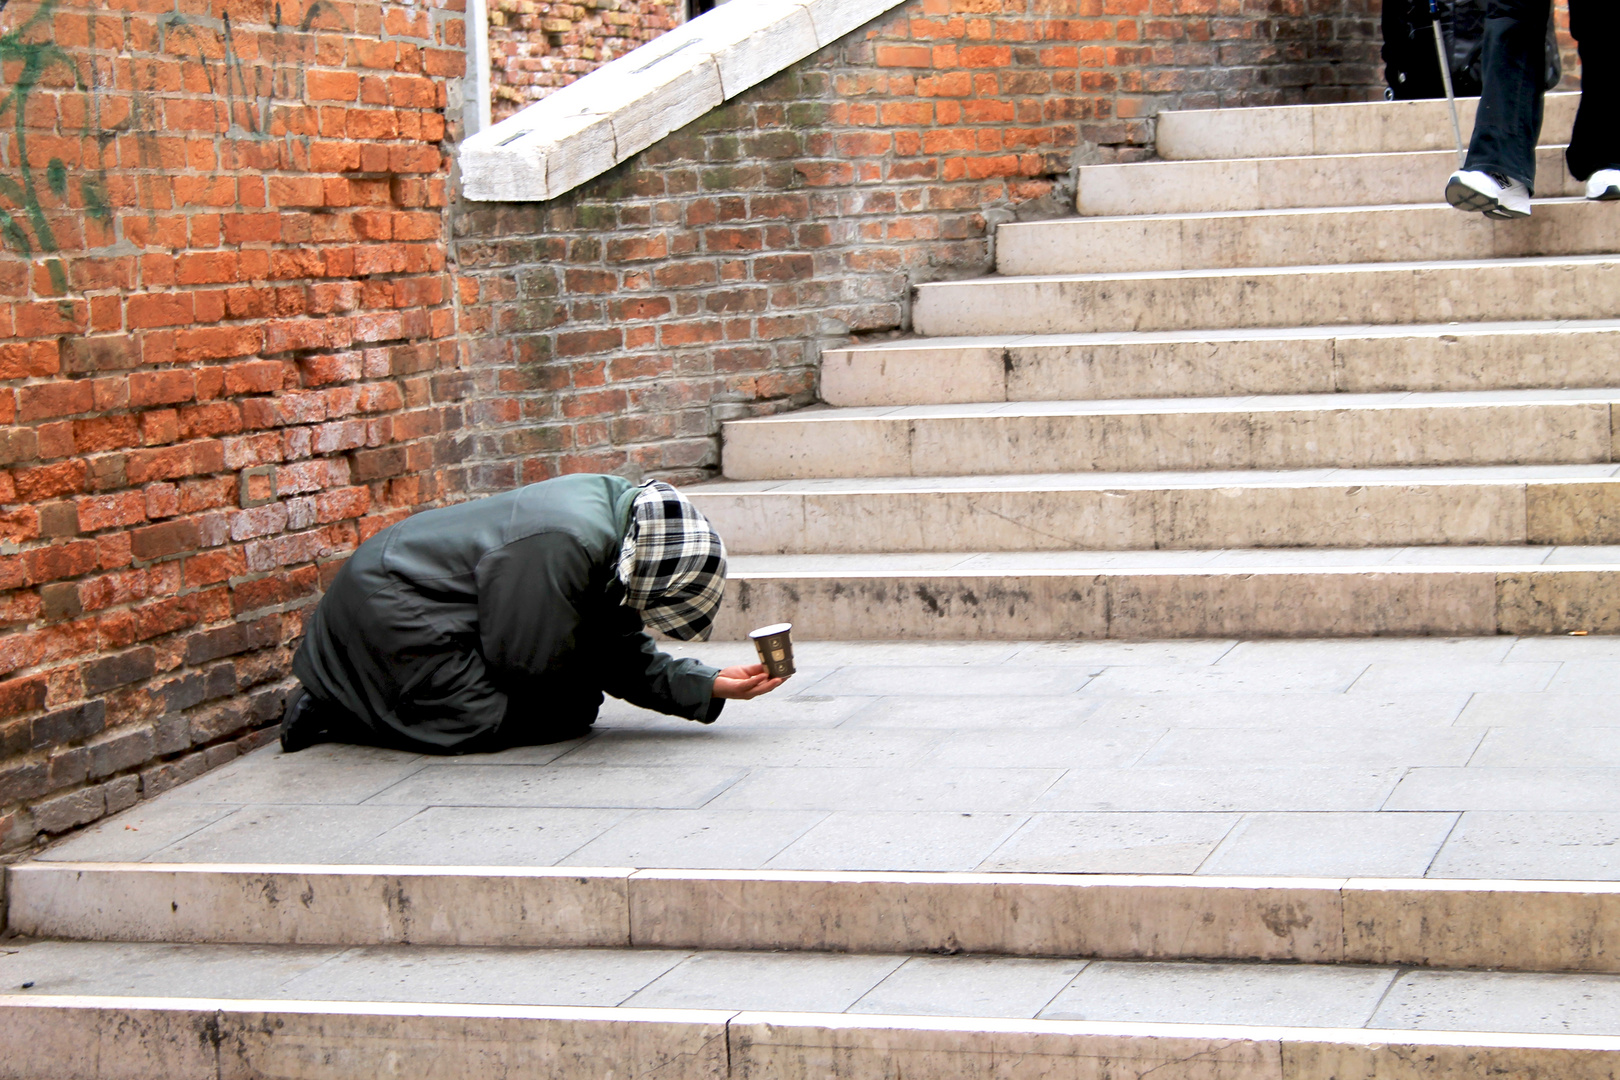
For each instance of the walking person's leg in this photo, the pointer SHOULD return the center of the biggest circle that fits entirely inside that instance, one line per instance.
(1594, 150)
(1500, 173)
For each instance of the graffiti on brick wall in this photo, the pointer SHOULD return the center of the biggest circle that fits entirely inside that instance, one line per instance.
(24, 224)
(33, 198)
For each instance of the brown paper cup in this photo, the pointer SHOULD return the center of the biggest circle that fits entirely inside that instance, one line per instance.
(775, 649)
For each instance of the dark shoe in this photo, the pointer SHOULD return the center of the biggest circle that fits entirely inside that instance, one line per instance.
(301, 723)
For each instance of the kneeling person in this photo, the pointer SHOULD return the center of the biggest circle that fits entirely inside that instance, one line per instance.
(502, 621)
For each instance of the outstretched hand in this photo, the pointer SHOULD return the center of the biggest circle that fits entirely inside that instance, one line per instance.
(743, 682)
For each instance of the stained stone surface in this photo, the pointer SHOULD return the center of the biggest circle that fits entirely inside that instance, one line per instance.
(1486, 757)
(1339, 996)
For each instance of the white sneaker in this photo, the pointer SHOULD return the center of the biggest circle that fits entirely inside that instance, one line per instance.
(1493, 196)
(1604, 185)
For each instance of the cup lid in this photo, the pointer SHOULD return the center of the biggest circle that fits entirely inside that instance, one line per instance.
(771, 631)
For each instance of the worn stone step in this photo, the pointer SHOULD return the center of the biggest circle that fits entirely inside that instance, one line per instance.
(1380, 294)
(1301, 237)
(1299, 360)
(1371, 127)
(1182, 187)
(1125, 511)
(1499, 925)
(1177, 594)
(1302, 432)
(103, 1038)
(629, 981)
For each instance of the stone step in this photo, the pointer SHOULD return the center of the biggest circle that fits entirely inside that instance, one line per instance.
(1178, 594)
(1381, 294)
(1258, 183)
(1498, 925)
(1185, 187)
(223, 1039)
(1182, 434)
(630, 983)
(1301, 237)
(1371, 127)
(1302, 360)
(1340, 508)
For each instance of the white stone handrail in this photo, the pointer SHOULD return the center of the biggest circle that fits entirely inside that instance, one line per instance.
(621, 108)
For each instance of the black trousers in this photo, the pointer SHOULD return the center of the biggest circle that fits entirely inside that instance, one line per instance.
(1510, 105)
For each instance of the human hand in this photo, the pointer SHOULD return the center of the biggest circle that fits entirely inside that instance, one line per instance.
(744, 682)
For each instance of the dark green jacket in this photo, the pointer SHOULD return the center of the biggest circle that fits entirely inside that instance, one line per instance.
(494, 623)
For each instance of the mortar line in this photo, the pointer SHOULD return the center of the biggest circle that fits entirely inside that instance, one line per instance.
(1242, 816)
(1442, 845)
(1085, 965)
(1406, 770)
(1400, 971)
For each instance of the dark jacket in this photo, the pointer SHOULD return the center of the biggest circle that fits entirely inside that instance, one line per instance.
(1412, 63)
(494, 623)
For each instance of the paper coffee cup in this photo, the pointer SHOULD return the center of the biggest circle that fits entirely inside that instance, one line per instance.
(775, 649)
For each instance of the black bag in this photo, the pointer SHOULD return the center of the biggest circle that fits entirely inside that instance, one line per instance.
(1410, 65)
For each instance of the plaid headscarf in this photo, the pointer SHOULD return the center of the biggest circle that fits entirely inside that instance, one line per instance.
(673, 564)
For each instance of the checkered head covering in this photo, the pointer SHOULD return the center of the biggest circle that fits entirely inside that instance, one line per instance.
(673, 564)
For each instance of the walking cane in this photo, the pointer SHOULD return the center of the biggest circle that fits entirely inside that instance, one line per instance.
(1445, 77)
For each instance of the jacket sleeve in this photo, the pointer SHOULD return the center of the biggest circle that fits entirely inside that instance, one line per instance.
(529, 594)
(636, 670)
(533, 596)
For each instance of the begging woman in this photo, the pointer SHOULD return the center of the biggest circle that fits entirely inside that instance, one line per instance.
(502, 621)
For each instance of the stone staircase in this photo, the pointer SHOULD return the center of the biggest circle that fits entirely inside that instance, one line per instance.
(1269, 387)
(1223, 414)
(198, 971)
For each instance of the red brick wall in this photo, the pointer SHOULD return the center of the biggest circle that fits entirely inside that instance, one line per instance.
(1137, 58)
(535, 46)
(226, 355)
(1566, 47)
(614, 327)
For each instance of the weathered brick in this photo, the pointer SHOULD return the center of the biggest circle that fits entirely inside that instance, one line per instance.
(58, 519)
(160, 778)
(22, 695)
(68, 767)
(214, 722)
(64, 812)
(69, 725)
(121, 749)
(170, 538)
(120, 669)
(22, 781)
(229, 640)
(171, 733)
(122, 793)
(379, 464)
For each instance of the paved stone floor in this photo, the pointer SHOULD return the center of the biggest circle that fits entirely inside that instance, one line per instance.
(1468, 758)
(1300, 995)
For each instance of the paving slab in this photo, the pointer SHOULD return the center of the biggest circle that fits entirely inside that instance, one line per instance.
(467, 836)
(1222, 994)
(1572, 845)
(1443, 757)
(969, 986)
(719, 839)
(864, 840)
(1484, 1001)
(1379, 845)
